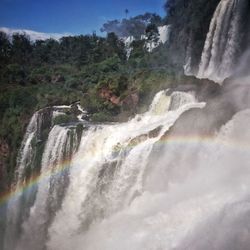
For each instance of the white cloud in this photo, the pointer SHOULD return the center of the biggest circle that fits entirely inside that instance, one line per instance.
(34, 35)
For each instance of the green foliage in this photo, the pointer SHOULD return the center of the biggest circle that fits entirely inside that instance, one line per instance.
(102, 117)
(134, 26)
(5, 49)
(138, 50)
(108, 65)
(21, 49)
(152, 33)
(63, 119)
(14, 74)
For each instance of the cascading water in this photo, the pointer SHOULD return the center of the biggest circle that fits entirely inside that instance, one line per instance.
(164, 35)
(223, 44)
(187, 67)
(32, 136)
(192, 197)
(107, 172)
(149, 183)
(179, 99)
(138, 185)
(61, 143)
(164, 32)
(27, 162)
(105, 175)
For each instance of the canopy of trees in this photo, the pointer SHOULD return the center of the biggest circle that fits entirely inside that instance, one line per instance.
(134, 26)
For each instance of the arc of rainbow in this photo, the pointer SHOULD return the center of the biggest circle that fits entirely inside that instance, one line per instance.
(175, 140)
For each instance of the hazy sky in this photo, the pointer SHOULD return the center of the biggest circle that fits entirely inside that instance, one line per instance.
(72, 16)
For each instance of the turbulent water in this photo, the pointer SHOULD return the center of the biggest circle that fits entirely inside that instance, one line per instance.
(102, 178)
(134, 185)
(223, 45)
(194, 200)
(61, 144)
(142, 184)
(34, 208)
(17, 207)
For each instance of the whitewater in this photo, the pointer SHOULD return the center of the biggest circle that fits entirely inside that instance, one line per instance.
(137, 185)
(191, 193)
(173, 178)
(224, 43)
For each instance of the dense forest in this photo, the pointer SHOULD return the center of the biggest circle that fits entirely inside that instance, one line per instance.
(95, 70)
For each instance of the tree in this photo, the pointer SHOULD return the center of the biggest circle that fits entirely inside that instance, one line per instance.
(5, 49)
(152, 33)
(134, 26)
(126, 13)
(116, 46)
(138, 50)
(21, 48)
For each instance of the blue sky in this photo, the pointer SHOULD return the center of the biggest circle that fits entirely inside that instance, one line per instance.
(72, 16)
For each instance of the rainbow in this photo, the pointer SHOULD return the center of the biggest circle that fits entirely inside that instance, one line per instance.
(21, 188)
(209, 141)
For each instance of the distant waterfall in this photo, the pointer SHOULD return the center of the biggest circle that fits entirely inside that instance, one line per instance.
(187, 67)
(223, 43)
(164, 36)
(164, 32)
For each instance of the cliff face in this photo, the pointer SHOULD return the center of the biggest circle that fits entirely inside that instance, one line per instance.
(131, 100)
(4, 154)
(189, 26)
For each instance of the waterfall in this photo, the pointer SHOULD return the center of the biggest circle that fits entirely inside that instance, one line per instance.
(32, 136)
(140, 184)
(34, 159)
(187, 67)
(179, 99)
(27, 165)
(164, 32)
(117, 200)
(164, 102)
(160, 103)
(163, 38)
(107, 172)
(223, 43)
(61, 144)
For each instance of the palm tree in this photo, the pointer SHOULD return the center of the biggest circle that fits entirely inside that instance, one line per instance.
(126, 12)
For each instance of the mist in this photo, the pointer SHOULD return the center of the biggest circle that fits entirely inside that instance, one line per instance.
(196, 200)
(172, 176)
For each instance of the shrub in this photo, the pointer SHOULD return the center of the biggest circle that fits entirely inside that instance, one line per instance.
(62, 119)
